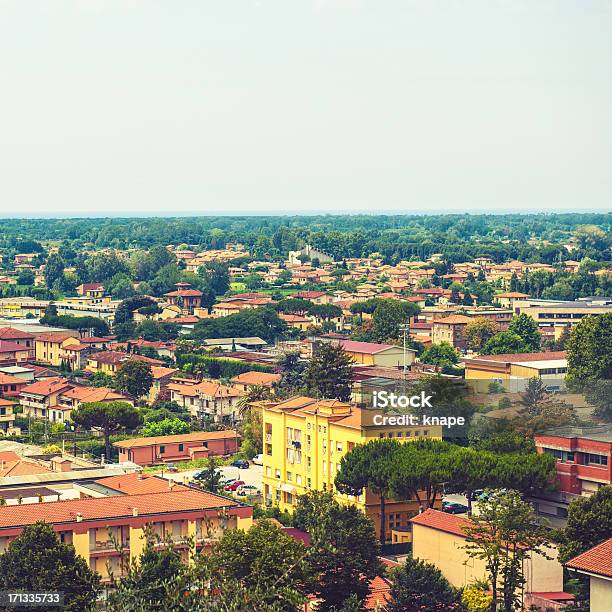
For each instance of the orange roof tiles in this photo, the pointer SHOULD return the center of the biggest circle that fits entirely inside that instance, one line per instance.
(160, 371)
(514, 357)
(136, 484)
(22, 468)
(10, 333)
(596, 560)
(111, 507)
(442, 521)
(93, 394)
(5, 379)
(256, 378)
(47, 386)
(57, 337)
(190, 437)
(10, 347)
(454, 320)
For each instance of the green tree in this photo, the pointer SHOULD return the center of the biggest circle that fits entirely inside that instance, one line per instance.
(442, 355)
(503, 535)
(388, 316)
(54, 270)
(134, 377)
(37, 561)
(343, 554)
(292, 369)
(589, 522)
(369, 466)
(107, 417)
(504, 343)
(211, 481)
(526, 328)
(417, 585)
(330, 373)
(479, 331)
(263, 557)
(166, 427)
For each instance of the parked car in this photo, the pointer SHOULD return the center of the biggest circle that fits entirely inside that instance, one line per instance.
(248, 490)
(454, 508)
(199, 475)
(233, 486)
(258, 459)
(477, 494)
(170, 467)
(241, 464)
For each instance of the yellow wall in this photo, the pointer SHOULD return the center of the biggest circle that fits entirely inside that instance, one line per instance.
(601, 594)
(476, 374)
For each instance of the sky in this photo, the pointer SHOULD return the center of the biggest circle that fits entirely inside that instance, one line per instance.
(184, 107)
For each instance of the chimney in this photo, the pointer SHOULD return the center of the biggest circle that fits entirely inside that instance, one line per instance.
(134, 511)
(170, 484)
(140, 476)
(79, 517)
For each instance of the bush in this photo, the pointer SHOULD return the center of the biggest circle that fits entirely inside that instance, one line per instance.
(219, 367)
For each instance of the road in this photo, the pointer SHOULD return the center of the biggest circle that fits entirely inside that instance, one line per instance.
(252, 476)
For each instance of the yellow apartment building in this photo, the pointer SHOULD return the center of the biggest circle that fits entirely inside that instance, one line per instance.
(50, 346)
(304, 440)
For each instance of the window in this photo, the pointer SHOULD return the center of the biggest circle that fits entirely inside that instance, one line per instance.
(268, 471)
(277, 473)
(205, 444)
(590, 458)
(298, 479)
(162, 450)
(290, 476)
(181, 448)
(561, 455)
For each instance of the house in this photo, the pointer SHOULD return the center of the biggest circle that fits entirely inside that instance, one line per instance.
(20, 337)
(207, 400)
(439, 538)
(39, 398)
(372, 353)
(185, 298)
(7, 416)
(11, 386)
(296, 321)
(191, 518)
(250, 379)
(318, 297)
(50, 346)
(12, 353)
(162, 377)
(596, 563)
(450, 329)
(92, 290)
(513, 371)
(110, 362)
(73, 397)
(511, 298)
(182, 447)
(584, 464)
(304, 442)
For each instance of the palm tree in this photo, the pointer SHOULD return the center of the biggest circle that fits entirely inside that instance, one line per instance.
(255, 393)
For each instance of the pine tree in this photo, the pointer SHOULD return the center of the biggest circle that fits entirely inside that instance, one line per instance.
(330, 373)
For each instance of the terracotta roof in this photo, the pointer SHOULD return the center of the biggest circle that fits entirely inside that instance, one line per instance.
(10, 333)
(9, 456)
(596, 560)
(10, 347)
(512, 294)
(514, 357)
(139, 483)
(160, 371)
(205, 388)
(256, 378)
(91, 286)
(54, 336)
(116, 357)
(22, 468)
(6, 402)
(110, 507)
(5, 379)
(190, 437)
(93, 394)
(184, 293)
(442, 521)
(47, 386)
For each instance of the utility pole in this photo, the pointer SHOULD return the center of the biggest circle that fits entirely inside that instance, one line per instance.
(404, 328)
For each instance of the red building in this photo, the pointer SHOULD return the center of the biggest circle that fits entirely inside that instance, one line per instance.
(11, 386)
(185, 298)
(19, 337)
(584, 464)
(183, 447)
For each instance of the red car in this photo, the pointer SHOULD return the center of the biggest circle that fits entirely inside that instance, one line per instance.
(232, 486)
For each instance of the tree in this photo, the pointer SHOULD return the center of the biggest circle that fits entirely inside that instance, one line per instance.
(107, 417)
(526, 328)
(166, 427)
(343, 554)
(541, 410)
(25, 277)
(369, 466)
(252, 434)
(479, 331)
(442, 355)
(37, 561)
(134, 377)
(263, 557)
(388, 316)
(505, 342)
(330, 373)
(589, 522)
(54, 270)
(417, 585)
(503, 535)
(292, 369)
(589, 351)
(211, 479)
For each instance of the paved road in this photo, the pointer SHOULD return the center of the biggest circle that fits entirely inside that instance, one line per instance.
(252, 476)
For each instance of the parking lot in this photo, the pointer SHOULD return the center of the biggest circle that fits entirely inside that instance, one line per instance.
(252, 476)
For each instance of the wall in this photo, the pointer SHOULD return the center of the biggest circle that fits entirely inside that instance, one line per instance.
(601, 594)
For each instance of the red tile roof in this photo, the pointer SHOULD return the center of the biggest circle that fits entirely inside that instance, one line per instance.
(111, 507)
(137, 484)
(190, 437)
(442, 521)
(370, 348)
(57, 337)
(514, 357)
(454, 320)
(597, 560)
(11, 347)
(10, 333)
(94, 394)
(256, 378)
(46, 386)
(116, 357)
(5, 379)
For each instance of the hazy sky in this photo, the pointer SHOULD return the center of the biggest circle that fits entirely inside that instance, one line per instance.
(136, 107)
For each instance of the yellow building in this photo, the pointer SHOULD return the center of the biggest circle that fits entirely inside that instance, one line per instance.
(304, 440)
(50, 347)
(596, 563)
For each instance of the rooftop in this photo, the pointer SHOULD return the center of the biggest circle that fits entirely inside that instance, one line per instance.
(139, 483)
(597, 560)
(442, 521)
(189, 437)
